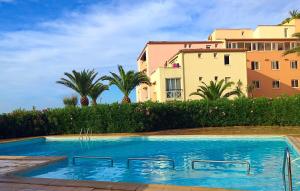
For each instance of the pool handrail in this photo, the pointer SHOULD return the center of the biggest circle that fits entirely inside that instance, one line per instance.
(151, 159)
(225, 161)
(287, 162)
(95, 157)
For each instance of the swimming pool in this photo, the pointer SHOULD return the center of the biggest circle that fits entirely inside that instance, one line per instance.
(265, 154)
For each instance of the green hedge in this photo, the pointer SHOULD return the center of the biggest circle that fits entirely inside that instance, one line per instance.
(149, 116)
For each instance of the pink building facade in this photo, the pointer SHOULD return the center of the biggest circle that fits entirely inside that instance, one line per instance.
(156, 53)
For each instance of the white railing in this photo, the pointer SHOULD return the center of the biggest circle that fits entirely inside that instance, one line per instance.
(174, 94)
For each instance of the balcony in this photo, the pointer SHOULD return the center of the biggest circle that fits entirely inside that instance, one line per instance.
(174, 95)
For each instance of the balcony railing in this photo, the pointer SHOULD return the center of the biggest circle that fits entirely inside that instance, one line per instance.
(174, 94)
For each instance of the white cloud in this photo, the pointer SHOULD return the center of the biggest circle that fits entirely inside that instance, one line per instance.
(105, 36)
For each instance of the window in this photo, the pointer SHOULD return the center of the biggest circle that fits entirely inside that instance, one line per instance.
(294, 83)
(185, 45)
(234, 45)
(287, 46)
(215, 55)
(200, 79)
(227, 79)
(207, 46)
(241, 45)
(248, 46)
(261, 46)
(216, 78)
(267, 46)
(254, 65)
(173, 88)
(294, 64)
(280, 46)
(226, 59)
(228, 45)
(274, 46)
(243, 33)
(285, 32)
(199, 55)
(256, 84)
(254, 46)
(276, 84)
(275, 65)
(190, 45)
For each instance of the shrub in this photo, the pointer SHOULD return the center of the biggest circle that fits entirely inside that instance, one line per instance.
(149, 116)
(70, 101)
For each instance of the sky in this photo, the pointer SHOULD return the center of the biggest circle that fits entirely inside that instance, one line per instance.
(42, 39)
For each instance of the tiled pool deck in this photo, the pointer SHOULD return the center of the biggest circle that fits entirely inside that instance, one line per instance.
(11, 165)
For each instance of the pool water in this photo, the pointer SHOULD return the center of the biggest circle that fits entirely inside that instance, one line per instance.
(264, 154)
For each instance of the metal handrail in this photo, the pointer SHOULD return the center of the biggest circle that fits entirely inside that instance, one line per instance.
(152, 159)
(94, 157)
(218, 161)
(80, 134)
(287, 162)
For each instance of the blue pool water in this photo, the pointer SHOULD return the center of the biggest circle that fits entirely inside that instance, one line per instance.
(264, 154)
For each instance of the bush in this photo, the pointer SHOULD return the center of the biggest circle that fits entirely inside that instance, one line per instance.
(149, 116)
(70, 101)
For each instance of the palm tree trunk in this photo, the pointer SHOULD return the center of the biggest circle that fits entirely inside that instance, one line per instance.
(84, 101)
(94, 102)
(126, 99)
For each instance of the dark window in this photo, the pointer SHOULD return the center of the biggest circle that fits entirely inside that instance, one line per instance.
(294, 83)
(275, 65)
(226, 59)
(216, 78)
(256, 84)
(276, 84)
(294, 64)
(254, 65)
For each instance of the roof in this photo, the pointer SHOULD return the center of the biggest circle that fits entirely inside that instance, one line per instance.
(262, 39)
(176, 42)
(208, 50)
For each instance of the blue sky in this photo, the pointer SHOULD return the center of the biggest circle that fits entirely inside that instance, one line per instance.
(42, 39)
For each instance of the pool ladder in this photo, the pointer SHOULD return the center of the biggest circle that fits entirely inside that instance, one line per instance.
(224, 162)
(287, 164)
(85, 135)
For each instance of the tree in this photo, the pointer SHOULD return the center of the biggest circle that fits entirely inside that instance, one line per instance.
(295, 49)
(126, 81)
(81, 82)
(294, 14)
(216, 90)
(70, 101)
(96, 91)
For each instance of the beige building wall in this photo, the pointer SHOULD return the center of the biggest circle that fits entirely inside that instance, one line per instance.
(274, 31)
(222, 34)
(209, 66)
(197, 67)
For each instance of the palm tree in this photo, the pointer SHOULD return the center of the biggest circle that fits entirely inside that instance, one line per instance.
(294, 14)
(96, 91)
(126, 81)
(295, 49)
(215, 90)
(81, 82)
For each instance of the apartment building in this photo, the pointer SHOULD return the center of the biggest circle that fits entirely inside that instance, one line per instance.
(255, 55)
(269, 71)
(155, 55)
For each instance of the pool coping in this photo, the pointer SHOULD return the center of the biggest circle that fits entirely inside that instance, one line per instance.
(11, 178)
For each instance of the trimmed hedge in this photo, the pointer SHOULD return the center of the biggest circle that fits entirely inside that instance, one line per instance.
(150, 116)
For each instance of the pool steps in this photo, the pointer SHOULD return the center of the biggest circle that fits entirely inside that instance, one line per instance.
(170, 161)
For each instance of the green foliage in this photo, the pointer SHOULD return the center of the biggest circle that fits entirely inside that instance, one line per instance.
(294, 14)
(70, 101)
(96, 91)
(216, 90)
(126, 81)
(149, 116)
(295, 49)
(81, 82)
